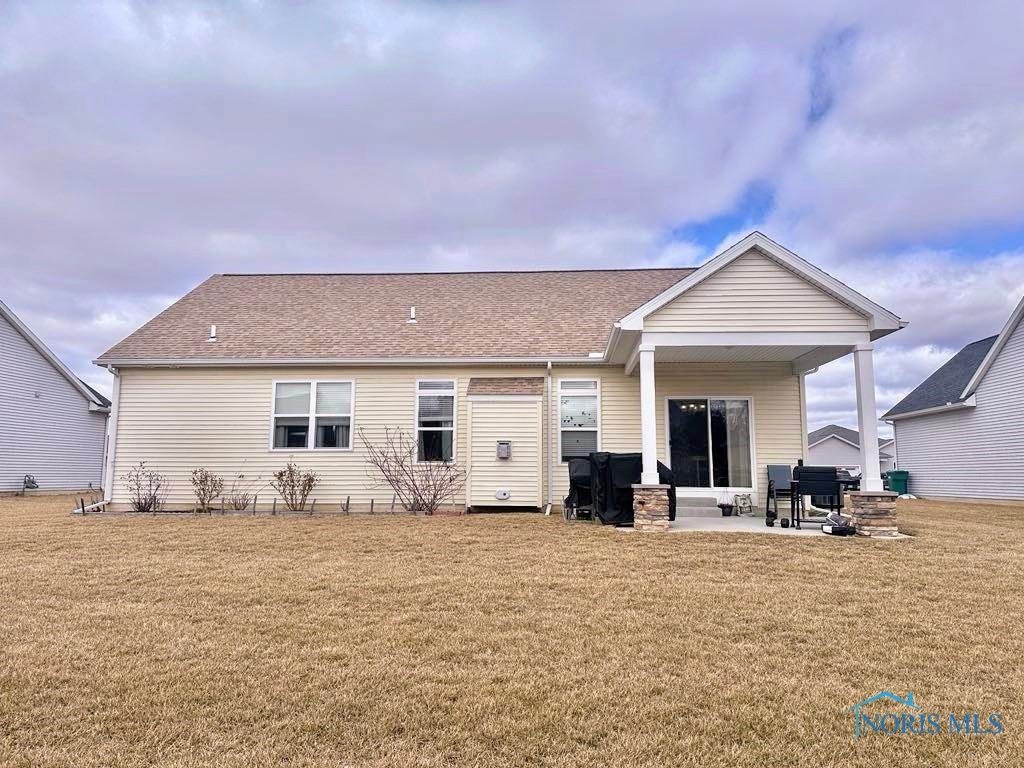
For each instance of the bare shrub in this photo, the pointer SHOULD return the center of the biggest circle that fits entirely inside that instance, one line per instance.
(243, 491)
(419, 486)
(294, 485)
(147, 488)
(206, 486)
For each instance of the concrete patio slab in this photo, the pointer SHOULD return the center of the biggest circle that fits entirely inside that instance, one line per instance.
(745, 524)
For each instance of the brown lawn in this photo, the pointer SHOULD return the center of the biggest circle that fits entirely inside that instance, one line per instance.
(508, 640)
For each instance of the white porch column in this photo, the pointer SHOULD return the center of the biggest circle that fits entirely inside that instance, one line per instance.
(648, 417)
(867, 418)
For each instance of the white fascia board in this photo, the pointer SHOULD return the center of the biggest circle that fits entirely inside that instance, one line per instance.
(51, 358)
(993, 353)
(881, 319)
(311, 362)
(833, 436)
(970, 402)
(755, 338)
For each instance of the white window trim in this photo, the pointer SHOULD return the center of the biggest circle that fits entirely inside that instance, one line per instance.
(312, 414)
(752, 488)
(455, 418)
(558, 413)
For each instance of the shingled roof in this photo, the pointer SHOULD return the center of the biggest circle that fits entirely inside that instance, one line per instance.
(335, 316)
(851, 436)
(946, 385)
(506, 385)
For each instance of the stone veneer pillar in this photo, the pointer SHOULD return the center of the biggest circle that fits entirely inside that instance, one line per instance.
(874, 512)
(650, 508)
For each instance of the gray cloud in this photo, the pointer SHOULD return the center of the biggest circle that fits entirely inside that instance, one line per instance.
(144, 146)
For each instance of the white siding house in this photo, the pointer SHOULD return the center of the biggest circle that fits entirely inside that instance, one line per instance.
(52, 426)
(961, 432)
(835, 446)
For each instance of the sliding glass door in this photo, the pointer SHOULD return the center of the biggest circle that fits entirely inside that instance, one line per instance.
(709, 442)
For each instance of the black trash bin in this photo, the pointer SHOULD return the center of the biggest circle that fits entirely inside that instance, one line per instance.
(612, 477)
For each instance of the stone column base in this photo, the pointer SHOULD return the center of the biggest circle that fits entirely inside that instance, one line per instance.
(874, 512)
(650, 508)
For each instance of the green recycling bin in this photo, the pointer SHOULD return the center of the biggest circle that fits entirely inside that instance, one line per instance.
(899, 481)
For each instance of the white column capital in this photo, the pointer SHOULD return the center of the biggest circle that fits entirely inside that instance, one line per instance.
(866, 346)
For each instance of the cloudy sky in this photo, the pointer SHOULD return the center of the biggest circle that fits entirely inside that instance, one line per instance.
(144, 146)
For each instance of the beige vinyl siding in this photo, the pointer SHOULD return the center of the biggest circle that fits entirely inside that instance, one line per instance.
(775, 401)
(772, 387)
(974, 452)
(219, 418)
(519, 421)
(754, 293)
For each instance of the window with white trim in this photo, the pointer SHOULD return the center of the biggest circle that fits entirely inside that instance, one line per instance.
(312, 415)
(578, 405)
(435, 420)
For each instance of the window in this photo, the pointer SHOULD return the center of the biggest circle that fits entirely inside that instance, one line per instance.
(578, 405)
(435, 420)
(709, 442)
(312, 414)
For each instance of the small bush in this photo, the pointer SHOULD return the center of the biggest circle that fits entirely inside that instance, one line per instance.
(243, 491)
(207, 486)
(294, 485)
(147, 488)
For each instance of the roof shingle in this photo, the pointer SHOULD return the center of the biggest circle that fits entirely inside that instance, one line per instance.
(468, 314)
(506, 385)
(947, 383)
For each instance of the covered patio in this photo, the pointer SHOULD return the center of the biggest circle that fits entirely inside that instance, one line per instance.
(768, 318)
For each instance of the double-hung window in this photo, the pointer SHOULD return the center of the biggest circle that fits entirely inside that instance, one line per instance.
(578, 405)
(435, 420)
(312, 415)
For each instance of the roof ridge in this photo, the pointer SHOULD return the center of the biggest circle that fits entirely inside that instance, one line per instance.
(467, 272)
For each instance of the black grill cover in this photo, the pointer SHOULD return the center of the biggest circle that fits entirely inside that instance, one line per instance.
(579, 484)
(612, 477)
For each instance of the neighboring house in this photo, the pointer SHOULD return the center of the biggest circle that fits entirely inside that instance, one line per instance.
(840, 447)
(961, 432)
(52, 425)
(702, 369)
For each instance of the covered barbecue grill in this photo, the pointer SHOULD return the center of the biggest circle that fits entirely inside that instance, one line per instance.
(611, 480)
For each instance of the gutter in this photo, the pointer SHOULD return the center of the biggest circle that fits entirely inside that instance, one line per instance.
(970, 402)
(256, 362)
(111, 447)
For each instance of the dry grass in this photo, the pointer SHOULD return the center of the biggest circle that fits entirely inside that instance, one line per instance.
(496, 640)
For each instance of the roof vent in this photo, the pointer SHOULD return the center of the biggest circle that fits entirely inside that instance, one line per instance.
(412, 315)
(213, 333)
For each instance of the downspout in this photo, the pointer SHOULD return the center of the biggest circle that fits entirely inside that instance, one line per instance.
(115, 408)
(895, 446)
(550, 434)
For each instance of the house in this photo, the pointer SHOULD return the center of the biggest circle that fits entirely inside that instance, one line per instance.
(52, 424)
(960, 433)
(837, 446)
(701, 368)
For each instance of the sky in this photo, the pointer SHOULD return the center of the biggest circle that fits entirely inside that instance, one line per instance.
(145, 146)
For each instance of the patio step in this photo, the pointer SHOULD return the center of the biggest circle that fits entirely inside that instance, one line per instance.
(697, 501)
(697, 506)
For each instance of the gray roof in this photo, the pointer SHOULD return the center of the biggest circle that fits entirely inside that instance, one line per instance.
(104, 401)
(850, 435)
(947, 384)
